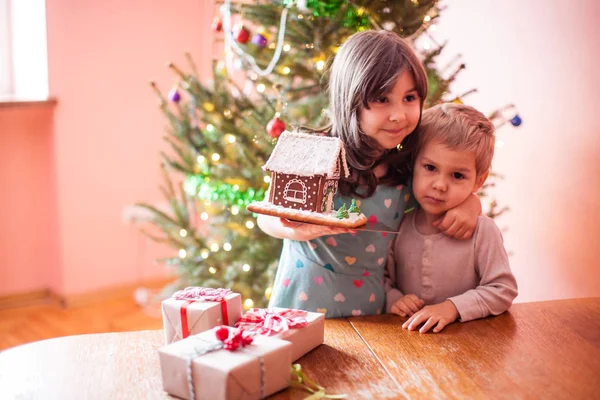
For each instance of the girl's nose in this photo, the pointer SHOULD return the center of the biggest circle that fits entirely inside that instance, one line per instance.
(397, 116)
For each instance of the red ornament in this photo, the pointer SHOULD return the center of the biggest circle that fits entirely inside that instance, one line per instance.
(222, 333)
(217, 24)
(275, 127)
(241, 35)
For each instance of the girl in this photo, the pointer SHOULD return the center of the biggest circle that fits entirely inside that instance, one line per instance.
(376, 90)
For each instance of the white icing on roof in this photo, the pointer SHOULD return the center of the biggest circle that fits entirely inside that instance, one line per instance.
(307, 155)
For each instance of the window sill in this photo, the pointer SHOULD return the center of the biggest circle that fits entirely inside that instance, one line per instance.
(18, 103)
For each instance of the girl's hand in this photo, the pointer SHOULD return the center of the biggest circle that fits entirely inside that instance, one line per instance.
(460, 222)
(407, 305)
(303, 231)
(438, 315)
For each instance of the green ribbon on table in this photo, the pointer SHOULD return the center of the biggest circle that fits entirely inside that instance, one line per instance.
(302, 381)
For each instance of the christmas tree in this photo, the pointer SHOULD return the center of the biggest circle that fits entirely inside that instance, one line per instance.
(221, 133)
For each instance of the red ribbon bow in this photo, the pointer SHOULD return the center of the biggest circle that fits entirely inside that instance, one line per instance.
(193, 294)
(270, 322)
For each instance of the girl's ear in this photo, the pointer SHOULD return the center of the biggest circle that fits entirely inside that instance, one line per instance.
(480, 181)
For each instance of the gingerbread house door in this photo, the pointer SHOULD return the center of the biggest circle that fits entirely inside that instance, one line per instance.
(329, 189)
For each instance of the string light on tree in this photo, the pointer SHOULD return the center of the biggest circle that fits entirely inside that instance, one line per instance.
(246, 267)
(182, 253)
(216, 157)
(204, 254)
(204, 216)
(201, 159)
(183, 233)
(227, 246)
(249, 224)
(235, 210)
(214, 247)
(248, 303)
(229, 138)
(212, 270)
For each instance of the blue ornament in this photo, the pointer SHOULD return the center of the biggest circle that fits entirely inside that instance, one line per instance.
(516, 120)
(174, 95)
(259, 40)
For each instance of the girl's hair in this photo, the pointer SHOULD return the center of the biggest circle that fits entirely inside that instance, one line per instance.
(462, 128)
(365, 69)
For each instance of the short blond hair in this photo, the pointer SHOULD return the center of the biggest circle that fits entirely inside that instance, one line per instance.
(460, 127)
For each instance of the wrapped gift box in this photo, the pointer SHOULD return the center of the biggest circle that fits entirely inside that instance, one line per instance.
(196, 310)
(305, 330)
(197, 365)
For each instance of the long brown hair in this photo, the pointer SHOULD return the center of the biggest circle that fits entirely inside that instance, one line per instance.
(366, 68)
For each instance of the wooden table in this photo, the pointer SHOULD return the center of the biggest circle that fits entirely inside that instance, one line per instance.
(544, 350)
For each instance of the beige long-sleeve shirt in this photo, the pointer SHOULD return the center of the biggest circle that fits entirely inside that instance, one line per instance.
(474, 274)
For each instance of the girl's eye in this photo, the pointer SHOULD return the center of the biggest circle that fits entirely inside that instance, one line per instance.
(429, 167)
(458, 175)
(410, 98)
(381, 100)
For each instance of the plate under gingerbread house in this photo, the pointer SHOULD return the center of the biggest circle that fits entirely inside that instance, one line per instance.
(305, 170)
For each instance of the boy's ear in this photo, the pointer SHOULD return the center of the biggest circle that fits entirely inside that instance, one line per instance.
(480, 181)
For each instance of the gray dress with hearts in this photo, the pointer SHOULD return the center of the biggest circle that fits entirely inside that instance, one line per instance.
(342, 275)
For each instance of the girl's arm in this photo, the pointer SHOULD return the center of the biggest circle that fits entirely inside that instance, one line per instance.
(285, 229)
(461, 221)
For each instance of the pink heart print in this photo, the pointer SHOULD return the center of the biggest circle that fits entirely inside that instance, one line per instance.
(286, 282)
(318, 279)
(331, 241)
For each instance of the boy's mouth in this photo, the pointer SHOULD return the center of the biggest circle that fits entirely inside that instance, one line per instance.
(433, 200)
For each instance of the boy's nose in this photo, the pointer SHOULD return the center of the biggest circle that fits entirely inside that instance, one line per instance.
(440, 184)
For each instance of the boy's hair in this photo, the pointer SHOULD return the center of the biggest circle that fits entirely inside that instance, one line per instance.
(460, 127)
(366, 68)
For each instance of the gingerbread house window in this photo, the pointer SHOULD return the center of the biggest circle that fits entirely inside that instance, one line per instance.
(295, 191)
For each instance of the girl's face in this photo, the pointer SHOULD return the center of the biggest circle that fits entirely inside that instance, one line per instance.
(393, 117)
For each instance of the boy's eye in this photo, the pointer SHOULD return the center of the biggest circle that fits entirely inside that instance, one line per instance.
(458, 175)
(429, 167)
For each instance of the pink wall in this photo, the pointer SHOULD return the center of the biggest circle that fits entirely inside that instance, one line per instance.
(28, 241)
(108, 128)
(542, 56)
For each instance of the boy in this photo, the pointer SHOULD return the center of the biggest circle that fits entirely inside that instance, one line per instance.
(431, 278)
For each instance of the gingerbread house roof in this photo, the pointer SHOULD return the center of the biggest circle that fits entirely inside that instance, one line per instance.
(307, 155)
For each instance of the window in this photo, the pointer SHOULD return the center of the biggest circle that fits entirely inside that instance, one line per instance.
(295, 191)
(23, 50)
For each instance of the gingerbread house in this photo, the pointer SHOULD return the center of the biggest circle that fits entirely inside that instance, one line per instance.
(305, 170)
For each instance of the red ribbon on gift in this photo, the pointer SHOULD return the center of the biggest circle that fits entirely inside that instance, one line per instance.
(270, 322)
(193, 294)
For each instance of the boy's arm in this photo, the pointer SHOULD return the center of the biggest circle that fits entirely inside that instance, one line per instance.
(497, 286)
(392, 294)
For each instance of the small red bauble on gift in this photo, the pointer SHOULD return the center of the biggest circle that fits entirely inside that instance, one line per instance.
(241, 34)
(275, 127)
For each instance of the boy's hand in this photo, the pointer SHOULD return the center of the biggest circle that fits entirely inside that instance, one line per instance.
(438, 315)
(457, 224)
(304, 231)
(407, 305)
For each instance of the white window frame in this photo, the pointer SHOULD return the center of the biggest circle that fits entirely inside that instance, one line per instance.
(6, 78)
(23, 50)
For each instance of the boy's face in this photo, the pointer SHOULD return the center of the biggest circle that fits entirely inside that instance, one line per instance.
(443, 178)
(393, 117)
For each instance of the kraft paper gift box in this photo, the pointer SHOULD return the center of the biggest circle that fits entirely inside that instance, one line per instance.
(305, 330)
(193, 368)
(195, 309)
